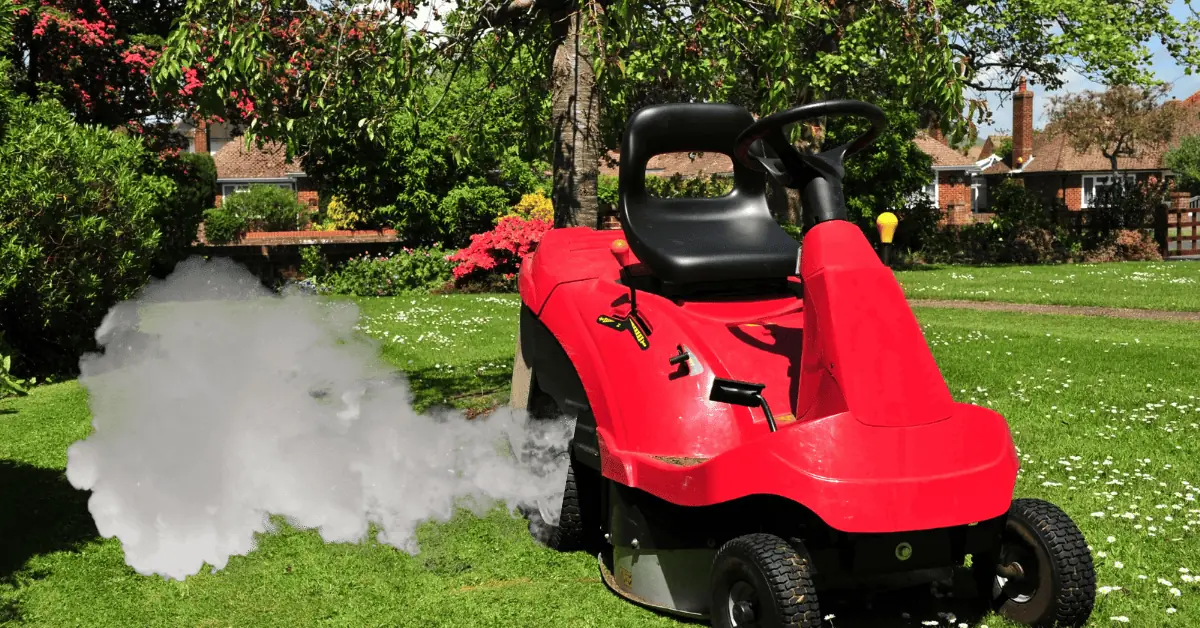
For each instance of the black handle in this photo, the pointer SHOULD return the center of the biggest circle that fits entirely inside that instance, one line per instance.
(681, 358)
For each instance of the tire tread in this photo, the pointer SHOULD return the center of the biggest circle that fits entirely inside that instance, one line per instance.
(1073, 568)
(788, 573)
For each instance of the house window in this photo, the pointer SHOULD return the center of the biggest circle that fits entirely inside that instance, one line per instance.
(931, 189)
(229, 189)
(979, 194)
(1093, 183)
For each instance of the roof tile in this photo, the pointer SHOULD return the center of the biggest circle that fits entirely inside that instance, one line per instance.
(942, 154)
(671, 164)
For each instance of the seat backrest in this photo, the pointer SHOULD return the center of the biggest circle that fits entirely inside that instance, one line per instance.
(683, 240)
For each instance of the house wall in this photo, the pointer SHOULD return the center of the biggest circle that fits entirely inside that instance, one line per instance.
(1049, 187)
(1067, 187)
(954, 197)
(307, 193)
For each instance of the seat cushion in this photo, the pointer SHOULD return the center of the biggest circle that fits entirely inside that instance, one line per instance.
(719, 249)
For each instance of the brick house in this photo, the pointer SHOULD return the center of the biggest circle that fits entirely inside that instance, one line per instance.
(238, 167)
(957, 186)
(1047, 164)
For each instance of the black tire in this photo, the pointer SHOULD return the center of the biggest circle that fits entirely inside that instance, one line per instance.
(768, 577)
(577, 527)
(1059, 583)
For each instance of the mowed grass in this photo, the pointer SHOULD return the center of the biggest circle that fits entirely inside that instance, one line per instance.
(1143, 285)
(1104, 413)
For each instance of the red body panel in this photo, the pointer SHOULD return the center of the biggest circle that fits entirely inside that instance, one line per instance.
(869, 438)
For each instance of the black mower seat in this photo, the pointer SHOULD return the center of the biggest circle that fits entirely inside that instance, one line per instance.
(700, 240)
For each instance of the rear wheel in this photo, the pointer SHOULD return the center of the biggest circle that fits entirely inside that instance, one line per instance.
(1042, 573)
(577, 528)
(762, 581)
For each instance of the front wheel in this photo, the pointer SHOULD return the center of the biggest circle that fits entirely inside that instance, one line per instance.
(1042, 574)
(763, 581)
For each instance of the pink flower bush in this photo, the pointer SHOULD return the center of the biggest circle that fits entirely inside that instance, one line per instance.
(501, 250)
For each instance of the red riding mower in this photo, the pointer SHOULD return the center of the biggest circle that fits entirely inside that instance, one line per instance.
(755, 425)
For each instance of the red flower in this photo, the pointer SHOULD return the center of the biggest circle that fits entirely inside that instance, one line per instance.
(500, 250)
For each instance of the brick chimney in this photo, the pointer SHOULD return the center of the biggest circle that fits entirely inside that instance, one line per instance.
(200, 137)
(1022, 126)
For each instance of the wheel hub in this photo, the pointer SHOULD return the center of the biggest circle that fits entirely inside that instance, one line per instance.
(743, 613)
(1015, 581)
(742, 603)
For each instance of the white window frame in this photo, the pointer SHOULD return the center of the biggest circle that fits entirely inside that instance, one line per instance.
(979, 187)
(936, 184)
(1084, 201)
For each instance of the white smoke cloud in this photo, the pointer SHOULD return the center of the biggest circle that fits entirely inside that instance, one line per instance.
(217, 404)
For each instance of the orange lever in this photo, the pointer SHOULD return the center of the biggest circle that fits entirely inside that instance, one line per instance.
(620, 250)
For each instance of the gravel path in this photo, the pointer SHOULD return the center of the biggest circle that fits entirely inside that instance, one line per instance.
(1073, 310)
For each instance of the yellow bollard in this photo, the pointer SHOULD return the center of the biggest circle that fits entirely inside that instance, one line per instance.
(886, 224)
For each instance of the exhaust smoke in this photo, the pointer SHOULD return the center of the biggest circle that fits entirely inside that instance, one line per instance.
(217, 403)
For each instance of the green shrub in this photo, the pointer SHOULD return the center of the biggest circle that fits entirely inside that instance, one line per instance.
(470, 209)
(195, 178)
(222, 225)
(403, 271)
(78, 211)
(1023, 230)
(607, 193)
(918, 225)
(676, 186)
(1122, 207)
(1016, 208)
(10, 385)
(312, 262)
(795, 231)
(266, 208)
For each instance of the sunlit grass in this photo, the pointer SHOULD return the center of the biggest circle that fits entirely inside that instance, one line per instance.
(1145, 285)
(1105, 413)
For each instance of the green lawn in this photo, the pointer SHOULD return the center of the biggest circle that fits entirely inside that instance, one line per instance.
(1104, 412)
(1145, 285)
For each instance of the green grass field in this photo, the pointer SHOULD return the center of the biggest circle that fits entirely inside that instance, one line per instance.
(1144, 285)
(1104, 412)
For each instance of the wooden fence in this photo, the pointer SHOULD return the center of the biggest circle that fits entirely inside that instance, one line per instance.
(1175, 227)
(1183, 231)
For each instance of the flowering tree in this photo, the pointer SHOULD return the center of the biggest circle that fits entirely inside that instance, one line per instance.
(97, 61)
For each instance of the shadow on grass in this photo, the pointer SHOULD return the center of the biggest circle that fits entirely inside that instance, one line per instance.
(40, 513)
(464, 386)
(902, 608)
(898, 266)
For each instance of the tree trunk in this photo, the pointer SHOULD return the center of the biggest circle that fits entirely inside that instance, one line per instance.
(795, 209)
(575, 114)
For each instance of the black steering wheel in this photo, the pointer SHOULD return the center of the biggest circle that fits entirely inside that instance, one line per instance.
(819, 175)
